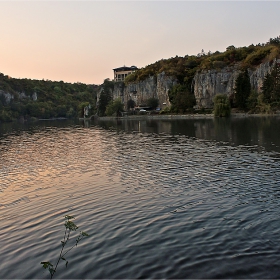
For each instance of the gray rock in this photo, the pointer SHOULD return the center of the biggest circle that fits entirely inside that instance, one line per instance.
(153, 86)
(207, 84)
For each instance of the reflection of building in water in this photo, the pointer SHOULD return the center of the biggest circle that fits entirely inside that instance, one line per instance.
(121, 72)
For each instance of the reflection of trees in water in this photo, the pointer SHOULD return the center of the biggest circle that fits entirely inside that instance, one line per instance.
(261, 131)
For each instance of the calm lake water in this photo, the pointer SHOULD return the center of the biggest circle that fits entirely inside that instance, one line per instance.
(193, 198)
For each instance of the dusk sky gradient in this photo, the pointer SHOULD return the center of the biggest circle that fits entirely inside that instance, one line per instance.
(82, 41)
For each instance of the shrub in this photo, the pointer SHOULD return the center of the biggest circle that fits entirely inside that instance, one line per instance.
(114, 107)
(252, 101)
(153, 102)
(219, 64)
(221, 106)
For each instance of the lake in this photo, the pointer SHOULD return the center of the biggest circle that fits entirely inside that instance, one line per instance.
(166, 198)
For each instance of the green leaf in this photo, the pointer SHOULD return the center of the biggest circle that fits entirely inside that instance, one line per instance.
(85, 234)
(51, 270)
(71, 226)
(68, 217)
(46, 264)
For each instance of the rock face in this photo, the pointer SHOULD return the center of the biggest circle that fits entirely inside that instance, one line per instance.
(209, 83)
(8, 97)
(206, 85)
(155, 86)
(257, 76)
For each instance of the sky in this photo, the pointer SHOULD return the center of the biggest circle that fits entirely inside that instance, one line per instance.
(82, 41)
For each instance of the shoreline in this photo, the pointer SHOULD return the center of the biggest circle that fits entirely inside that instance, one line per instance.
(153, 117)
(187, 116)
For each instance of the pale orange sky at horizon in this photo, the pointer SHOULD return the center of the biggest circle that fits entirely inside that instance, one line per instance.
(83, 41)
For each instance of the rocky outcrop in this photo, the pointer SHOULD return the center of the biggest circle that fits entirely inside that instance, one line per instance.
(207, 84)
(154, 86)
(257, 76)
(8, 97)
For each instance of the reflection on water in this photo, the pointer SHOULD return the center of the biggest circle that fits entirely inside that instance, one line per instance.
(194, 198)
(260, 131)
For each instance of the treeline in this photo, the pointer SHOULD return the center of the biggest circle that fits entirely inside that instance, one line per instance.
(26, 98)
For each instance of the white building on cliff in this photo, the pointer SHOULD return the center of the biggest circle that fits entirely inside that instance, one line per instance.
(121, 72)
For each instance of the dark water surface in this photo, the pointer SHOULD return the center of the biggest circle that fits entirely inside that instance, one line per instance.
(195, 198)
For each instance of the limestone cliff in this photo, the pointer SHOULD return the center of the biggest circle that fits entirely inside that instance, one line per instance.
(207, 84)
(154, 86)
(8, 97)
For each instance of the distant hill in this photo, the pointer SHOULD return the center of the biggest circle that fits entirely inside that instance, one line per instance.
(26, 98)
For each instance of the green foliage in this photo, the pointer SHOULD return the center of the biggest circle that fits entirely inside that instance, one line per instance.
(105, 96)
(242, 90)
(252, 101)
(275, 41)
(181, 98)
(104, 100)
(257, 56)
(81, 109)
(130, 104)
(54, 99)
(70, 226)
(262, 106)
(221, 106)
(108, 85)
(166, 110)
(152, 102)
(114, 107)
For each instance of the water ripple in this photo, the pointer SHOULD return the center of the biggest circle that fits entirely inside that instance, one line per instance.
(156, 205)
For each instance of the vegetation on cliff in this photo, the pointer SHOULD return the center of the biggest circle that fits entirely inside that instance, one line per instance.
(184, 68)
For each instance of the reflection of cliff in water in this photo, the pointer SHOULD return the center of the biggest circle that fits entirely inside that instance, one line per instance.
(143, 126)
(250, 131)
(261, 131)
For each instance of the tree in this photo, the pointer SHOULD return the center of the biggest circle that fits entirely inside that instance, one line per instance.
(152, 102)
(267, 88)
(105, 96)
(242, 90)
(275, 41)
(221, 106)
(130, 104)
(104, 100)
(181, 98)
(114, 107)
(271, 85)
